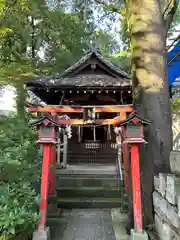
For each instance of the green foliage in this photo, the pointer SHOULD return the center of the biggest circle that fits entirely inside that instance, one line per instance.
(30, 29)
(176, 105)
(19, 168)
(123, 60)
(106, 42)
(19, 154)
(18, 209)
(43, 37)
(175, 23)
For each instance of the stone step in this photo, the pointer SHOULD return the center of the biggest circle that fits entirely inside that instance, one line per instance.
(89, 192)
(96, 159)
(70, 203)
(91, 169)
(65, 181)
(88, 174)
(91, 153)
(91, 161)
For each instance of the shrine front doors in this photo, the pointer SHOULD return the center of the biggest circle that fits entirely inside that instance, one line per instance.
(92, 152)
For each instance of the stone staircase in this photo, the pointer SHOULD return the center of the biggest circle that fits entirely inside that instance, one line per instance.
(90, 186)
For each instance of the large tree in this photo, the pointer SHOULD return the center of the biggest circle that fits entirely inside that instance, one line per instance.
(148, 23)
(145, 25)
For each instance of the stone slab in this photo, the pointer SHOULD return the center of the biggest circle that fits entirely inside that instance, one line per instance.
(156, 183)
(162, 183)
(178, 205)
(167, 211)
(172, 189)
(158, 225)
(175, 162)
(42, 235)
(87, 169)
(138, 236)
(165, 232)
(160, 204)
(172, 216)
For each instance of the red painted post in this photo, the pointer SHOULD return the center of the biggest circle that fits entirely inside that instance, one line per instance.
(126, 165)
(54, 170)
(52, 177)
(125, 149)
(44, 184)
(136, 187)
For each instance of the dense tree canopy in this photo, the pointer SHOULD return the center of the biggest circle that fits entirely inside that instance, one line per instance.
(40, 37)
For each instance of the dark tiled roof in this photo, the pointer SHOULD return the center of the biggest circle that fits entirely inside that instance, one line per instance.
(68, 78)
(83, 80)
(117, 70)
(94, 80)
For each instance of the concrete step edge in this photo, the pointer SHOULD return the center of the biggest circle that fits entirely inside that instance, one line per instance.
(60, 177)
(89, 188)
(84, 200)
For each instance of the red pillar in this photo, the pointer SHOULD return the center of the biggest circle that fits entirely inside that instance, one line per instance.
(52, 177)
(125, 150)
(136, 187)
(44, 184)
(126, 165)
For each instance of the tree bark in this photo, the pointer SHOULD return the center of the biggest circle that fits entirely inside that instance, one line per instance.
(150, 91)
(21, 95)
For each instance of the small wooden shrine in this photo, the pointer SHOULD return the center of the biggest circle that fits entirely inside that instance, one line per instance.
(86, 98)
(88, 114)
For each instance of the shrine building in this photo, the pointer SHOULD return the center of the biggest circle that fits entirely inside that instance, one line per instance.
(88, 97)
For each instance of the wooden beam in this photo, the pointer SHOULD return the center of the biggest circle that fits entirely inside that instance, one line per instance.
(80, 109)
(81, 121)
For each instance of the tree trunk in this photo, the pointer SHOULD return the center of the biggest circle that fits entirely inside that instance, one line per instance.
(21, 95)
(150, 91)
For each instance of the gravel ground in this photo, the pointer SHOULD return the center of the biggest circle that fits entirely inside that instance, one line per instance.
(83, 224)
(89, 224)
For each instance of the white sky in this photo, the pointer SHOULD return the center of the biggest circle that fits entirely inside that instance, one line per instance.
(7, 99)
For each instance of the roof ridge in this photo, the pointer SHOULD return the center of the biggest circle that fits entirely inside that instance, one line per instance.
(101, 58)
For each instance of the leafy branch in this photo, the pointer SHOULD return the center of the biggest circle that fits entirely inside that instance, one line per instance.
(169, 13)
(109, 6)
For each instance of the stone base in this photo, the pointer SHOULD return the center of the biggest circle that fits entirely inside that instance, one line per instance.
(42, 235)
(138, 236)
(53, 210)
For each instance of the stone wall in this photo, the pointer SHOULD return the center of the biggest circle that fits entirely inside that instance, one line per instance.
(166, 201)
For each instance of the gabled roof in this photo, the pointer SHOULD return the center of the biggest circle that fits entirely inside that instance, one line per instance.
(112, 76)
(96, 53)
(41, 121)
(132, 116)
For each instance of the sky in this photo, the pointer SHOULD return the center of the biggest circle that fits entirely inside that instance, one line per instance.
(7, 99)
